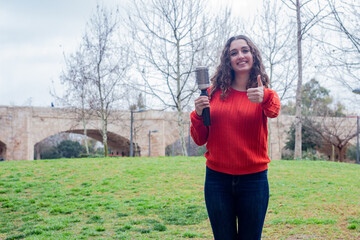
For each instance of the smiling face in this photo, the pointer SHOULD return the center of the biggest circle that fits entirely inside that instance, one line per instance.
(240, 57)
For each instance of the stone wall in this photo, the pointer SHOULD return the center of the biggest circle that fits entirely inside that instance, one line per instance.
(22, 127)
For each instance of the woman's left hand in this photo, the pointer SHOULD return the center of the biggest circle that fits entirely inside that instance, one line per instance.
(256, 95)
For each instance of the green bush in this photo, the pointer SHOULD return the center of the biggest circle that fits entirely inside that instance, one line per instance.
(309, 154)
(312, 154)
(351, 152)
(310, 139)
(287, 154)
(70, 149)
(50, 153)
(65, 149)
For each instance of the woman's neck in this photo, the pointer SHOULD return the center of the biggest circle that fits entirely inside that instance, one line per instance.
(240, 82)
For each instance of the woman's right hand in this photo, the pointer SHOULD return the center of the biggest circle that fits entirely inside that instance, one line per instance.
(201, 103)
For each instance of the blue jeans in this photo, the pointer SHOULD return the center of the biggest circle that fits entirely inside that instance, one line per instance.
(236, 198)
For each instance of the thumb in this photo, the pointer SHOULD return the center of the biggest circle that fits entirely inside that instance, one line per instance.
(260, 84)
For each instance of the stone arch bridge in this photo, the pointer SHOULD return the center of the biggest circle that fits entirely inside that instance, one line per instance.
(21, 128)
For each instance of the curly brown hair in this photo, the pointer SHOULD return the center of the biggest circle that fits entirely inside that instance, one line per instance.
(225, 75)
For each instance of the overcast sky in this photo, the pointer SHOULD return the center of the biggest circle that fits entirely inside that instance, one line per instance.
(34, 34)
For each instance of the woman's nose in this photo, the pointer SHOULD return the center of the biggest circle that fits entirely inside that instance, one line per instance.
(240, 55)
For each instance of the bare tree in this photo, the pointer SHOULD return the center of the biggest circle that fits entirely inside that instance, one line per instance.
(276, 41)
(95, 73)
(224, 26)
(169, 39)
(314, 15)
(275, 38)
(323, 120)
(77, 91)
(345, 17)
(108, 61)
(333, 131)
(343, 49)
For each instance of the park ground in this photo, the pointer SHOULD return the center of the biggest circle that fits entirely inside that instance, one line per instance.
(162, 198)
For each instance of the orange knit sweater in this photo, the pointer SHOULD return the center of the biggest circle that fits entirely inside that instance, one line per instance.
(236, 141)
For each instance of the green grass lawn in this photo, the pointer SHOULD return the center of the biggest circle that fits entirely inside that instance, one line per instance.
(162, 198)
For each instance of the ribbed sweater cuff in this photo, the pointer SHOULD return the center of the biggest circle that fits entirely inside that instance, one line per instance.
(267, 96)
(196, 117)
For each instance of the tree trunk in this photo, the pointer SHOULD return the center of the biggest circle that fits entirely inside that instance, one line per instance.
(104, 134)
(341, 153)
(298, 124)
(83, 112)
(181, 131)
(86, 138)
(178, 99)
(102, 110)
(86, 141)
(104, 130)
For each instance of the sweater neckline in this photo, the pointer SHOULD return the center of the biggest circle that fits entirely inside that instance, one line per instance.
(237, 91)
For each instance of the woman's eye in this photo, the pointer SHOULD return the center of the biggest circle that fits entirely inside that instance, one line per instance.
(233, 54)
(245, 51)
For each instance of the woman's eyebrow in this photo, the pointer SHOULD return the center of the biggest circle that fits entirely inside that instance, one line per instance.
(243, 47)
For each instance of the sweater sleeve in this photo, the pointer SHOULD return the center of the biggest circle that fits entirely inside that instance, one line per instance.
(199, 132)
(271, 104)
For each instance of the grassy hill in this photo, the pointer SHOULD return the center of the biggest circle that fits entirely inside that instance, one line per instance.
(162, 198)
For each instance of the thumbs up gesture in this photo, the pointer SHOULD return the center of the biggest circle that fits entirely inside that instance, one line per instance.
(256, 95)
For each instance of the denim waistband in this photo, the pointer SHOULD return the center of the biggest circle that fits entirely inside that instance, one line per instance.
(251, 176)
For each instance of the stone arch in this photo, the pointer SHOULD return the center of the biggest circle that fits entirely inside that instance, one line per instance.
(119, 145)
(38, 145)
(2, 151)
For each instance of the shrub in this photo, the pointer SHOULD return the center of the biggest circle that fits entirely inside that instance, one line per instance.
(50, 153)
(310, 154)
(351, 152)
(70, 149)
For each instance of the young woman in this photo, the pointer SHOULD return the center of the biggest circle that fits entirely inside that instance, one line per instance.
(236, 185)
